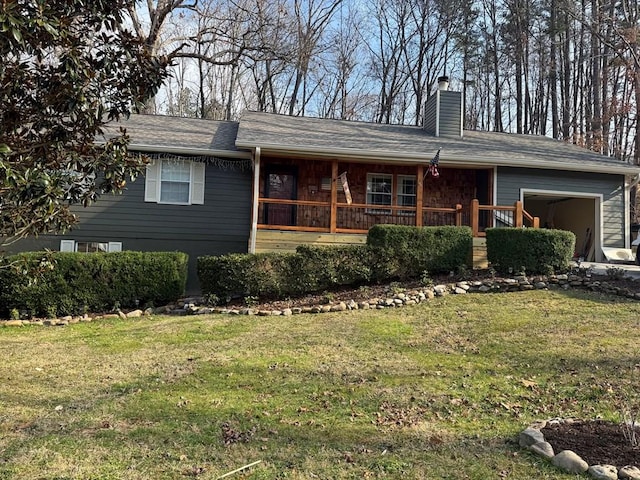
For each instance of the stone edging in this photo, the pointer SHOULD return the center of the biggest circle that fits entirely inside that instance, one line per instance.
(568, 461)
(394, 299)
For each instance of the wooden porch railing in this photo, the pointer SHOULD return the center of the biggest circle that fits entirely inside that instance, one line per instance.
(311, 216)
(513, 216)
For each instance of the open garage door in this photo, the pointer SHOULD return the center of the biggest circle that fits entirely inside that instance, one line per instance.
(572, 211)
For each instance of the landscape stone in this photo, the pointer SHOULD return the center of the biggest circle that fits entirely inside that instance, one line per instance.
(13, 323)
(570, 462)
(287, 312)
(440, 290)
(529, 436)
(134, 314)
(340, 307)
(603, 472)
(629, 472)
(544, 449)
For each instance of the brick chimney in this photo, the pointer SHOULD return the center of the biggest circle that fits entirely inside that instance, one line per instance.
(442, 114)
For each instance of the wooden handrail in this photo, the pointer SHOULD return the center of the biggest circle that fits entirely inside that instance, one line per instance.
(283, 201)
(520, 215)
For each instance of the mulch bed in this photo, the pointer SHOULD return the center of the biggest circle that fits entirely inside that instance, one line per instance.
(597, 442)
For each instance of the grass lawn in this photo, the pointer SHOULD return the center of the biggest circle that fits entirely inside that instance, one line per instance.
(435, 391)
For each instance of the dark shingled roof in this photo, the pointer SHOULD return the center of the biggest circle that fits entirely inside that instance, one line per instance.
(177, 132)
(409, 144)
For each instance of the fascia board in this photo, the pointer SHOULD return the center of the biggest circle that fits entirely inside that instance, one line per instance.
(453, 160)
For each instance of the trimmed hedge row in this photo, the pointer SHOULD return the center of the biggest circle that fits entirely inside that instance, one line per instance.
(279, 275)
(392, 252)
(512, 250)
(407, 252)
(98, 282)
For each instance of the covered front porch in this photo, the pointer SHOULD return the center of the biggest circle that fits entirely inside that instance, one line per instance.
(302, 201)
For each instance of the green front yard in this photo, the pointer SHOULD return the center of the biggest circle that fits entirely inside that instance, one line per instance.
(436, 391)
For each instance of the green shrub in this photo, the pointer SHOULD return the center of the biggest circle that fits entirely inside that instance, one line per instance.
(529, 250)
(323, 267)
(80, 282)
(278, 275)
(408, 252)
(243, 274)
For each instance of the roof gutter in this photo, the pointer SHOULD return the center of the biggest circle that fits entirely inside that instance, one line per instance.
(399, 157)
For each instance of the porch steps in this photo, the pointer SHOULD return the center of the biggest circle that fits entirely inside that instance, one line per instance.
(480, 253)
(284, 241)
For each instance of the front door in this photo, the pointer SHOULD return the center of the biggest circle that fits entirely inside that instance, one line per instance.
(280, 182)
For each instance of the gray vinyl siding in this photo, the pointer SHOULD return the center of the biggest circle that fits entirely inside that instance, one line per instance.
(450, 113)
(511, 180)
(429, 118)
(221, 225)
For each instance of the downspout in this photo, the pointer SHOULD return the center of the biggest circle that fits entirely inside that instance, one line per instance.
(256, 196)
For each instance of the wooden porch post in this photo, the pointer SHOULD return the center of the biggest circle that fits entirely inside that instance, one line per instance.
(475, 217)
(334, 197)
(536, 222)
(253, 233)
(518, 214)
(458, 215)
(419, 194)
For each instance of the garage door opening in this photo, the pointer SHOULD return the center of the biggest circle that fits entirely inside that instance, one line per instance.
(577, 213)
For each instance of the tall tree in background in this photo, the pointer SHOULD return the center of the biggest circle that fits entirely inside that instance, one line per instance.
(311, 18)
(562, 68)
(67, 67)
(342, 86)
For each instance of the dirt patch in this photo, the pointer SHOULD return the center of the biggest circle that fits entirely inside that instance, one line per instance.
(597, 442)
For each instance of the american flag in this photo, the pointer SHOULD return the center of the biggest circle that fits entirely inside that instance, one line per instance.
(433, 165)
(436, 159)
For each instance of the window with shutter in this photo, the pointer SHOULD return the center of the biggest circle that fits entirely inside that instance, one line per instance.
(175, 182)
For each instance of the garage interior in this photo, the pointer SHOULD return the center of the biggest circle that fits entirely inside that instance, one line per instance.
(565, 212)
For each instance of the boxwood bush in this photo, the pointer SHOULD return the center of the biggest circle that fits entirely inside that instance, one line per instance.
(79, 282)
(277, 275)
(529, 250)
(391, 252)
(407, 252)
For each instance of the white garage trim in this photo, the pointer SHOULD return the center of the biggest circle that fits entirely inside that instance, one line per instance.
(597, 221)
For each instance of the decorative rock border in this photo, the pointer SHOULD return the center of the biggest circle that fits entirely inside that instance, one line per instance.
(568, 461)
(395, 298)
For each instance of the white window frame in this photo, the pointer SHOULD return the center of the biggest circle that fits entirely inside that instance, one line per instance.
(387, 177)
(72, 246)
(153, 182)
(400, 195)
